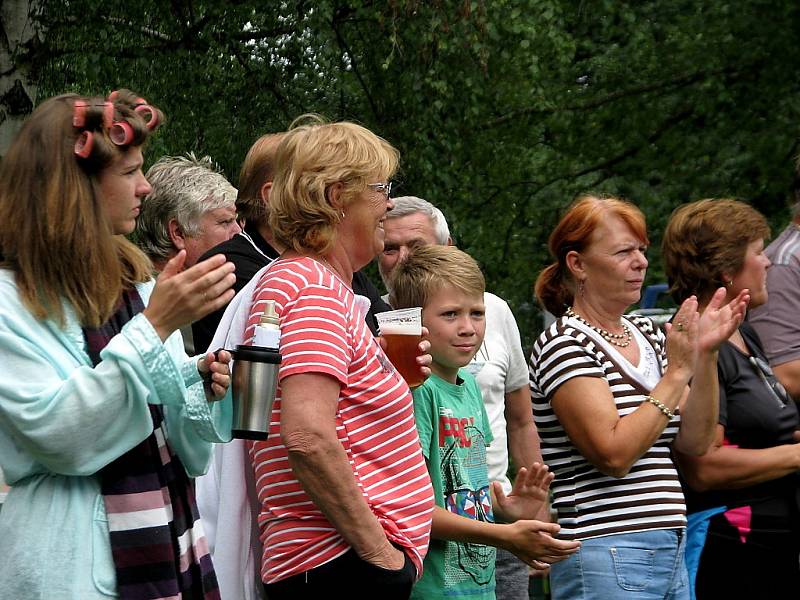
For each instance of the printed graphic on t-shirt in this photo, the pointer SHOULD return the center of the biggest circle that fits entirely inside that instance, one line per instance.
(466, 493)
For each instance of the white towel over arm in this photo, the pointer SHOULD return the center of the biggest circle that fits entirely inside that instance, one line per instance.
(226, 495)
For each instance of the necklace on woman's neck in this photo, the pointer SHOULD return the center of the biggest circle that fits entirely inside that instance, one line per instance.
(621, 340)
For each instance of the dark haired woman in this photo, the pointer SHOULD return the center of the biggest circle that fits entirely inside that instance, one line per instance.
(743, 495)
(103, 418)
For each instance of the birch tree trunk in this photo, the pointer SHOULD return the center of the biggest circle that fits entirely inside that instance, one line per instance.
(17, 91)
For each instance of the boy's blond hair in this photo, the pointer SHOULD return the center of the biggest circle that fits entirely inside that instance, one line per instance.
(427, 268)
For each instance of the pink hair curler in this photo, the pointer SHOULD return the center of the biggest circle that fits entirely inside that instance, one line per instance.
(121, 133)
(84, 143)
(152, 120)
(79, 113)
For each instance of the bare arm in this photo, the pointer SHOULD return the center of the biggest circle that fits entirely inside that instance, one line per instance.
(531, 541)
(700, 410)
(727, 468)
(308, 429)
(788, 374)
(523, 439)
(585, 406)
(586, 410)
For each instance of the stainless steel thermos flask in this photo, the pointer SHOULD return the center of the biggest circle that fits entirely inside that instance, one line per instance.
(255, 381)
(255, 377)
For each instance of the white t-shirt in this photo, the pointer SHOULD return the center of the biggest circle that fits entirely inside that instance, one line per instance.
(500, 367)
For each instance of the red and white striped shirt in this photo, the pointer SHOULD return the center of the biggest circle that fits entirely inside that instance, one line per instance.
(324, 331)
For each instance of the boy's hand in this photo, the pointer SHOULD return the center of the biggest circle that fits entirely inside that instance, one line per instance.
(528, 494)
(533, 543)
(424, 359)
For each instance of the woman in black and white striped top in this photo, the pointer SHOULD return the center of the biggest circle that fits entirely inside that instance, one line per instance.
(611, 398)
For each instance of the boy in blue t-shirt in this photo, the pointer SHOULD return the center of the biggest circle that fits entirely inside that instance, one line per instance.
(454, 432)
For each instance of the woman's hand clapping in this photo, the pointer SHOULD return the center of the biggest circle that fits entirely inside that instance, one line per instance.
(692, 333)
(682, 336)
(182, 297)
(719, 320)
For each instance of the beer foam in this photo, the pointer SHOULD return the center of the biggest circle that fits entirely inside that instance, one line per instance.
(406, 321)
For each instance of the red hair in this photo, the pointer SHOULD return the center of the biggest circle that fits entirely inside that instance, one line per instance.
(555, 287)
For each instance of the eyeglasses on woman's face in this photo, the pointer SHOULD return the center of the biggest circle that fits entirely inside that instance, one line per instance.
(384, 187)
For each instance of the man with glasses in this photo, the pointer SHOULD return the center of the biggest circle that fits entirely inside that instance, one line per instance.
(499, 367)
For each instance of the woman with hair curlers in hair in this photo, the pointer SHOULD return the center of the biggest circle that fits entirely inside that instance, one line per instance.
(103, 418)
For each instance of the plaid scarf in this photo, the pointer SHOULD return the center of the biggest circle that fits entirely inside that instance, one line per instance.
(157, 541)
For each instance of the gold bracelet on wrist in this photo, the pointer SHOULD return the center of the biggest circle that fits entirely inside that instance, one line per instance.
(661, 406)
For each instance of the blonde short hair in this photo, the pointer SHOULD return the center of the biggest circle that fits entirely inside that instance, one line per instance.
(310, 159)
(427, 268)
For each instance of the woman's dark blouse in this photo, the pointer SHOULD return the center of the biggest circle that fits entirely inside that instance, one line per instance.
(753, 417)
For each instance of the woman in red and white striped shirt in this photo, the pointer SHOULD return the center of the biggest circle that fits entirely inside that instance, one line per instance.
(345, 498)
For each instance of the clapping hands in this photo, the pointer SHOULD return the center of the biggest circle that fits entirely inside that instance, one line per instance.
(183, 296)
(528, 494)
(692, 333)
(719, 320)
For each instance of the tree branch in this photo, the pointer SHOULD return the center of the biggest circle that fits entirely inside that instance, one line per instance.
(665, 126)
(672, 84)
(354, 64)
(147, 31)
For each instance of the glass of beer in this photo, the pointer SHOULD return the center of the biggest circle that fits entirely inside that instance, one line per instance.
(402, 331)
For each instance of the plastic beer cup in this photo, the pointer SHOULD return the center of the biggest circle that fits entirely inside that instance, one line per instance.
(402, 331)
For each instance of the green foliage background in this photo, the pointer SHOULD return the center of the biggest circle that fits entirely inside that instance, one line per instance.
(502, 110)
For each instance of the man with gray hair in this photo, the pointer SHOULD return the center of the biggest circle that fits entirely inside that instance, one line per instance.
(776, 320)
(192, 207)
(499, 367)
(412, 222)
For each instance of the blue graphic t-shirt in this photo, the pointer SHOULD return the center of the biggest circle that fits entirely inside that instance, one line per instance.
(454, 432)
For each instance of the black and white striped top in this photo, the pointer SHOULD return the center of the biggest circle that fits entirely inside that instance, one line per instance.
(590, 503)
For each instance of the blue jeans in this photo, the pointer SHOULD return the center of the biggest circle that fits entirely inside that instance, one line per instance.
(647, 565)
